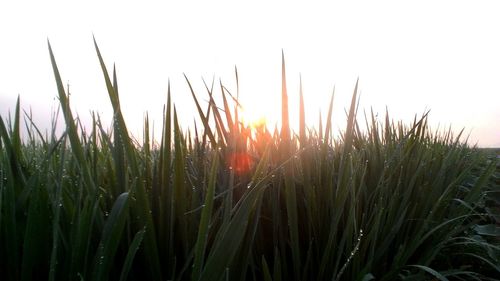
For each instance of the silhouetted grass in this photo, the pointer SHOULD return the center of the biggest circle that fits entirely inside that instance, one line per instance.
(229, 202)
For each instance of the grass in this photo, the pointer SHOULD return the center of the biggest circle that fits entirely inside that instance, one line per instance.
(228, 202)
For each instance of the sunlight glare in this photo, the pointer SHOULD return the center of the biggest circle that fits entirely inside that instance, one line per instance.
(253, 118)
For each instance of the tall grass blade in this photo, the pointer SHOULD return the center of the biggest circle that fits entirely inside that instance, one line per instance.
(285, 125)
(179, 199)
(134, 247)
(36, 233)
(430, 271)
(16, 133)
(265, 269)
(231, 235)
(204, 119)
(111, 235)
(351, 119)
(328, 125)
(142, 207)
(293, 222)
(201, 241)
(302, 118)
(71, 128)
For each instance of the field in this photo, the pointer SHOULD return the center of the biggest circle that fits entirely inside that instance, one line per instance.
(230, 202)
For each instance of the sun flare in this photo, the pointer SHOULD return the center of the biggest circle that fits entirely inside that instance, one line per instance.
(253, 119)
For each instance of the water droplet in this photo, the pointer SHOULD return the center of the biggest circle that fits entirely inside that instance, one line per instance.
(248, 186)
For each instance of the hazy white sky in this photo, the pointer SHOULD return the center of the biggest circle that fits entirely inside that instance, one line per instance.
(409, 56)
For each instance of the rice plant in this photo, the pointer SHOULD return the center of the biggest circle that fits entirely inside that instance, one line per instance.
(229, 202)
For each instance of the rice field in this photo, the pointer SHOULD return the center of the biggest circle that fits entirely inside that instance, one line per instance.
(229, 202)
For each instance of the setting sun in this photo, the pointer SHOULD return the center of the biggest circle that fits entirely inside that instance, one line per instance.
(252, 119)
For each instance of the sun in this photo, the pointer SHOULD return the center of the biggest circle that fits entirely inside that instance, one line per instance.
(257, 114)
(252, 119)
(254, 136)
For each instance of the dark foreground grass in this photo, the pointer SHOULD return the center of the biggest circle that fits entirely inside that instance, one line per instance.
(227, 202)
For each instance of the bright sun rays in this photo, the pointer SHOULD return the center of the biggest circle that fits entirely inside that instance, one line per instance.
(254, 118)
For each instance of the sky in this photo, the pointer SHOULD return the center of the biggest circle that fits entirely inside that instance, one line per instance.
(409, 56)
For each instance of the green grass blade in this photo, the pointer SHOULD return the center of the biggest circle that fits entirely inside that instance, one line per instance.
(132, 250)
(16, 134)
(71, 128)
(111, 237)
(285, 123)
(142, 208)
(166, 217)
(430, 271)
(179, 198)
(13, 157)
(302, 118)
(227, 110)
(478, 188)
(351, 119)
(293, 222)
(36, 234)
(57, 206)
(119, 144)
(265, 270)
(10, 226)
(219, 125)
(201, 241)
(204, 119)
(328, 125)
(231, 235)
(230, 240)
